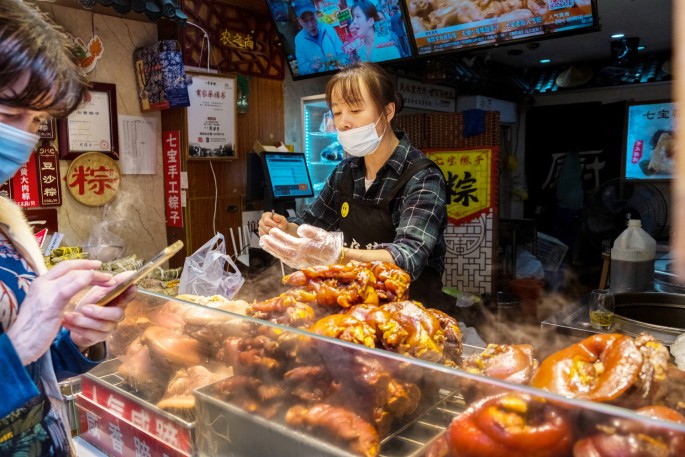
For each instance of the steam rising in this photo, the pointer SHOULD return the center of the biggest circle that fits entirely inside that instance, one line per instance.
(264, 284)
(104, 243)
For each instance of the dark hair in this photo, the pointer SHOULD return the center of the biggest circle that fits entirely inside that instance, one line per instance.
(30, 43)
(347, 83)
(368, 8)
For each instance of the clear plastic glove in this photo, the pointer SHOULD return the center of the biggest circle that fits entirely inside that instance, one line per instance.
(314, 246)
(270, 220)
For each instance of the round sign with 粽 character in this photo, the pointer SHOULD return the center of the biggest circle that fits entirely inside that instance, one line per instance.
(93, 179)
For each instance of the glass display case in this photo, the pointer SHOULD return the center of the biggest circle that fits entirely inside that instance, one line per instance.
(204, 376)
(319, 140)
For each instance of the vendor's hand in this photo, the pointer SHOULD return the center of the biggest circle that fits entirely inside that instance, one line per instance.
(90, 323)
(270, 220)
(41, 313)
(314, 246)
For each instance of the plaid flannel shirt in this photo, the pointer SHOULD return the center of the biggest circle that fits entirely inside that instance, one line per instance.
(419, 213)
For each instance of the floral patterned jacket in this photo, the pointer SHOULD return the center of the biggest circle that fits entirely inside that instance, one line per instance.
(32, 412)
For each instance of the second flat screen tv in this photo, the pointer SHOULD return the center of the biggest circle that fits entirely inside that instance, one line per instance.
(448, 25)
(321, 36)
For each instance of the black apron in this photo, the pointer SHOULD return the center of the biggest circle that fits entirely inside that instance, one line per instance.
(364, 224)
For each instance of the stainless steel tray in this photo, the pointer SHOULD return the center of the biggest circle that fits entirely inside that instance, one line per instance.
(106, 374)
(413, 439)
(70, 389)
(227, 430)
(104, 387)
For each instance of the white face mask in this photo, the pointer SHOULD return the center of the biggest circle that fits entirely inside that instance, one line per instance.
(16, 147)
(361, 141)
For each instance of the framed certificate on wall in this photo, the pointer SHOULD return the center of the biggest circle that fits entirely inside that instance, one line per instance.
(211, 117)
(92, 127)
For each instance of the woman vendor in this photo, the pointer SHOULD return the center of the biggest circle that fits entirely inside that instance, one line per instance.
(384, 202)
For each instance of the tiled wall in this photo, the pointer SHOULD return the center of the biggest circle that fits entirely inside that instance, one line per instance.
(471, 246)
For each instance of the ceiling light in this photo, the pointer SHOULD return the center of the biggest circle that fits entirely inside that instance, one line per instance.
(641, 48)
(618, 35)
(545, 60)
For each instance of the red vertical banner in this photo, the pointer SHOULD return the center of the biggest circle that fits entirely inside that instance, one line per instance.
(172, 178)
(25, 184)
(48, 176)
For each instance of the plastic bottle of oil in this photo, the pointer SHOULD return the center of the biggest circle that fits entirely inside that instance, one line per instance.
(632, 260)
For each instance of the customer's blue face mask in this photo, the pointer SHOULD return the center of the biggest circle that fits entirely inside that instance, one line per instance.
(16, 147)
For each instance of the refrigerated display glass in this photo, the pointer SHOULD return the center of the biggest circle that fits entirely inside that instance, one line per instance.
(320, 140)
(295, 376)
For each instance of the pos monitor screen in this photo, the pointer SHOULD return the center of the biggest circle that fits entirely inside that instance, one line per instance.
(287, 175)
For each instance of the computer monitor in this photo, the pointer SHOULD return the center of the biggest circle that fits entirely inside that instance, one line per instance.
(287, 178)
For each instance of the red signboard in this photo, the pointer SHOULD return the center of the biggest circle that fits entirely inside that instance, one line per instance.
(172, 178)
(116, 436)
(25, 183)
(471, 176)
(48, 176)
(140, 419)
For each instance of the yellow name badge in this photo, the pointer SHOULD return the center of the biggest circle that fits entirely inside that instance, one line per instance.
(345, 209)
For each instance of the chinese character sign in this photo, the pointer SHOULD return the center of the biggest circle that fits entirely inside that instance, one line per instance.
(650, 141)
(25, 183)
(238, 40)
(93, 179)
(172, 178)
(48, 176)
(471, 176)
(122, 423)
(211, 117)
(426, 96)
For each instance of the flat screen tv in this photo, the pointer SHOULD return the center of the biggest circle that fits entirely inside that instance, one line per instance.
(287, 175)
(321, 36)
(649, 149)
(448, 25)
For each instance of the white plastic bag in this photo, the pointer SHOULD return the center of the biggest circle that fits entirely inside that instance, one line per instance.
(528, 266)
(209, 271)
(678, 351)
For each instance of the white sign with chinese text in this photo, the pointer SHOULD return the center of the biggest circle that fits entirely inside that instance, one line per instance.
(427, 96)
(211, 117)
(138, 145)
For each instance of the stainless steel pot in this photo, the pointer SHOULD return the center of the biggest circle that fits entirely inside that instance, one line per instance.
(657, 313)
